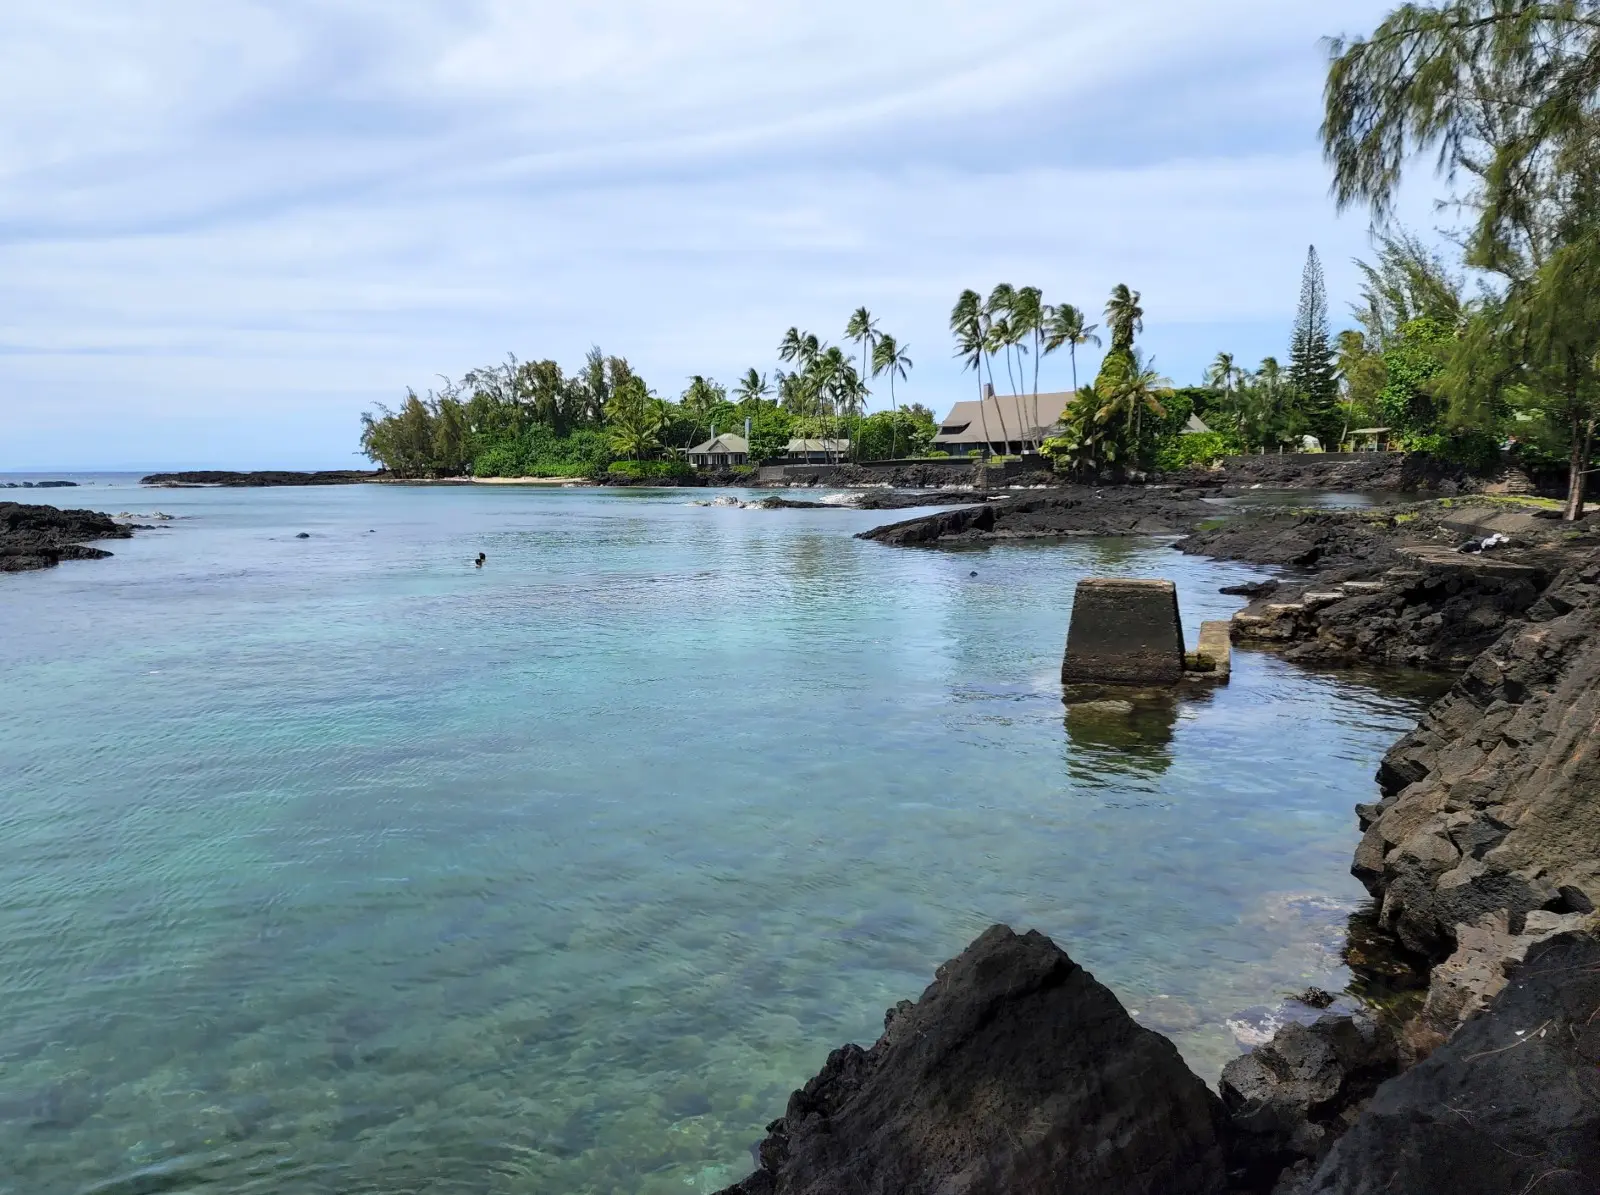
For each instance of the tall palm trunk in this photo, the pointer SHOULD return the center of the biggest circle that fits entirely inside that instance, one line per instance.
(1577, 466)
(894, 428)
(999, 412)
(1038, 439)
(983, 410)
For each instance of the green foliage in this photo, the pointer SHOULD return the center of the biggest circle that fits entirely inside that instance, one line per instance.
(1406, 404)
(1312, 375)
(771, 429)
(891, 435)
(635, 420)
(539, 452)
(1202, 449)
(654, 470)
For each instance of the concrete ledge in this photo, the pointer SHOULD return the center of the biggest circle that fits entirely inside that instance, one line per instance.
(1124, 633)
(1215, 650)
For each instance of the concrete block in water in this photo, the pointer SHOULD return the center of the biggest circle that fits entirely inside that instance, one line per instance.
(1124, 633)
(1216, 648)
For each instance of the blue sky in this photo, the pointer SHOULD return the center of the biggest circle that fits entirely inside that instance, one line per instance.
(227, 228)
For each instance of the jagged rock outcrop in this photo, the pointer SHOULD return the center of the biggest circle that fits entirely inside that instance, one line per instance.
(1434, 608)
(1015, 1073)
(1493, 802)
(1510, 1106)
(1290, 1099)
(33, 536)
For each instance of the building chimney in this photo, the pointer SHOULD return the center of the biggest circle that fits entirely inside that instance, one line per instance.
(988, 390)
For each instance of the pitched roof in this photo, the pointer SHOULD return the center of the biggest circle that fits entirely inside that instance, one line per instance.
(1007, 416)
(1196, 426)
(726, 442)
(818, 446)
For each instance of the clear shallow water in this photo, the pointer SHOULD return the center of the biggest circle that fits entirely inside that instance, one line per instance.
(337, 865)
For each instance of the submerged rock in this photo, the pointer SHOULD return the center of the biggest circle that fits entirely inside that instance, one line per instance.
(1509, 1106)
(1016, 1072)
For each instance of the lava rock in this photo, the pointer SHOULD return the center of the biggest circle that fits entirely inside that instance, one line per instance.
(1016, 1072)
(1290, 1099)
(1509, 1105)
(1492, 803)
(34, 537)
(1250, 589)
(261, 478)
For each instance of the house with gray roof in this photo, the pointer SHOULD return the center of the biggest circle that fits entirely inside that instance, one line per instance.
(720, 452)
(816, 452)
(1001, 424)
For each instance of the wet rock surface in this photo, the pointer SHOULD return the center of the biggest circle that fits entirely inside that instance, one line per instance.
(1291, 1099)
(1015, 1072)
(1510, 1105)
(34, 537)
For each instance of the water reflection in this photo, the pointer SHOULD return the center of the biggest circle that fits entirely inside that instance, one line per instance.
(1120, 736)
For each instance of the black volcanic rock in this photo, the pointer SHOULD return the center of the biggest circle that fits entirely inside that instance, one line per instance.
(33, 536)
(1292, 1098)
(1302, 539)
(1493, 801)
(1016, 1073)
(1510, 1106)
(1072, 511)
(266, 477)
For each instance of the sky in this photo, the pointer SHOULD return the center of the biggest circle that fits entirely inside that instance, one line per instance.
(227, 228)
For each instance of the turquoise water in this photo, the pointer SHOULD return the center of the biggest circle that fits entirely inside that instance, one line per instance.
(338, 865)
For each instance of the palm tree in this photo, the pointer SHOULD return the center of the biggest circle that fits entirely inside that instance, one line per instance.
(1124, 317)
(998, 337)
(634, 419)
(862, 330)
(1064, 326)
(890, 358)
(699, 400)
(1027, 320)
(1141, 389)
(999, 309)
(752, 387)
(967, 325)
(1223, 373)
(799, 347)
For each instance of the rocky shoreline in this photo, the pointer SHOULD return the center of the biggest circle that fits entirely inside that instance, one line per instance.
(1016, 1072)
(259, 479)
(35, 537)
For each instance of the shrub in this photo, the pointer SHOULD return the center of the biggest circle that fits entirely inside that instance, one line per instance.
(673, 470)
(1203, 449)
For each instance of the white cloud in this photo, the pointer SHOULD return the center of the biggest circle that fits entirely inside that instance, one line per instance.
(266, 217)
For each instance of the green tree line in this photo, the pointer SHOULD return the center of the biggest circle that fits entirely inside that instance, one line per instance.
(531, 419)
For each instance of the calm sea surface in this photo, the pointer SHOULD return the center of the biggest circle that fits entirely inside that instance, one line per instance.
(338, 865)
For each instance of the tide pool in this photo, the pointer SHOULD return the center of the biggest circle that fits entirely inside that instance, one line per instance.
(339, 865)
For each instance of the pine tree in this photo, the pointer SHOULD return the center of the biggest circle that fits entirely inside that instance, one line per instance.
(1313, 373)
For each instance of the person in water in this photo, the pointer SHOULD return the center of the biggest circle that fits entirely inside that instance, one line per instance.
(481, 559)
